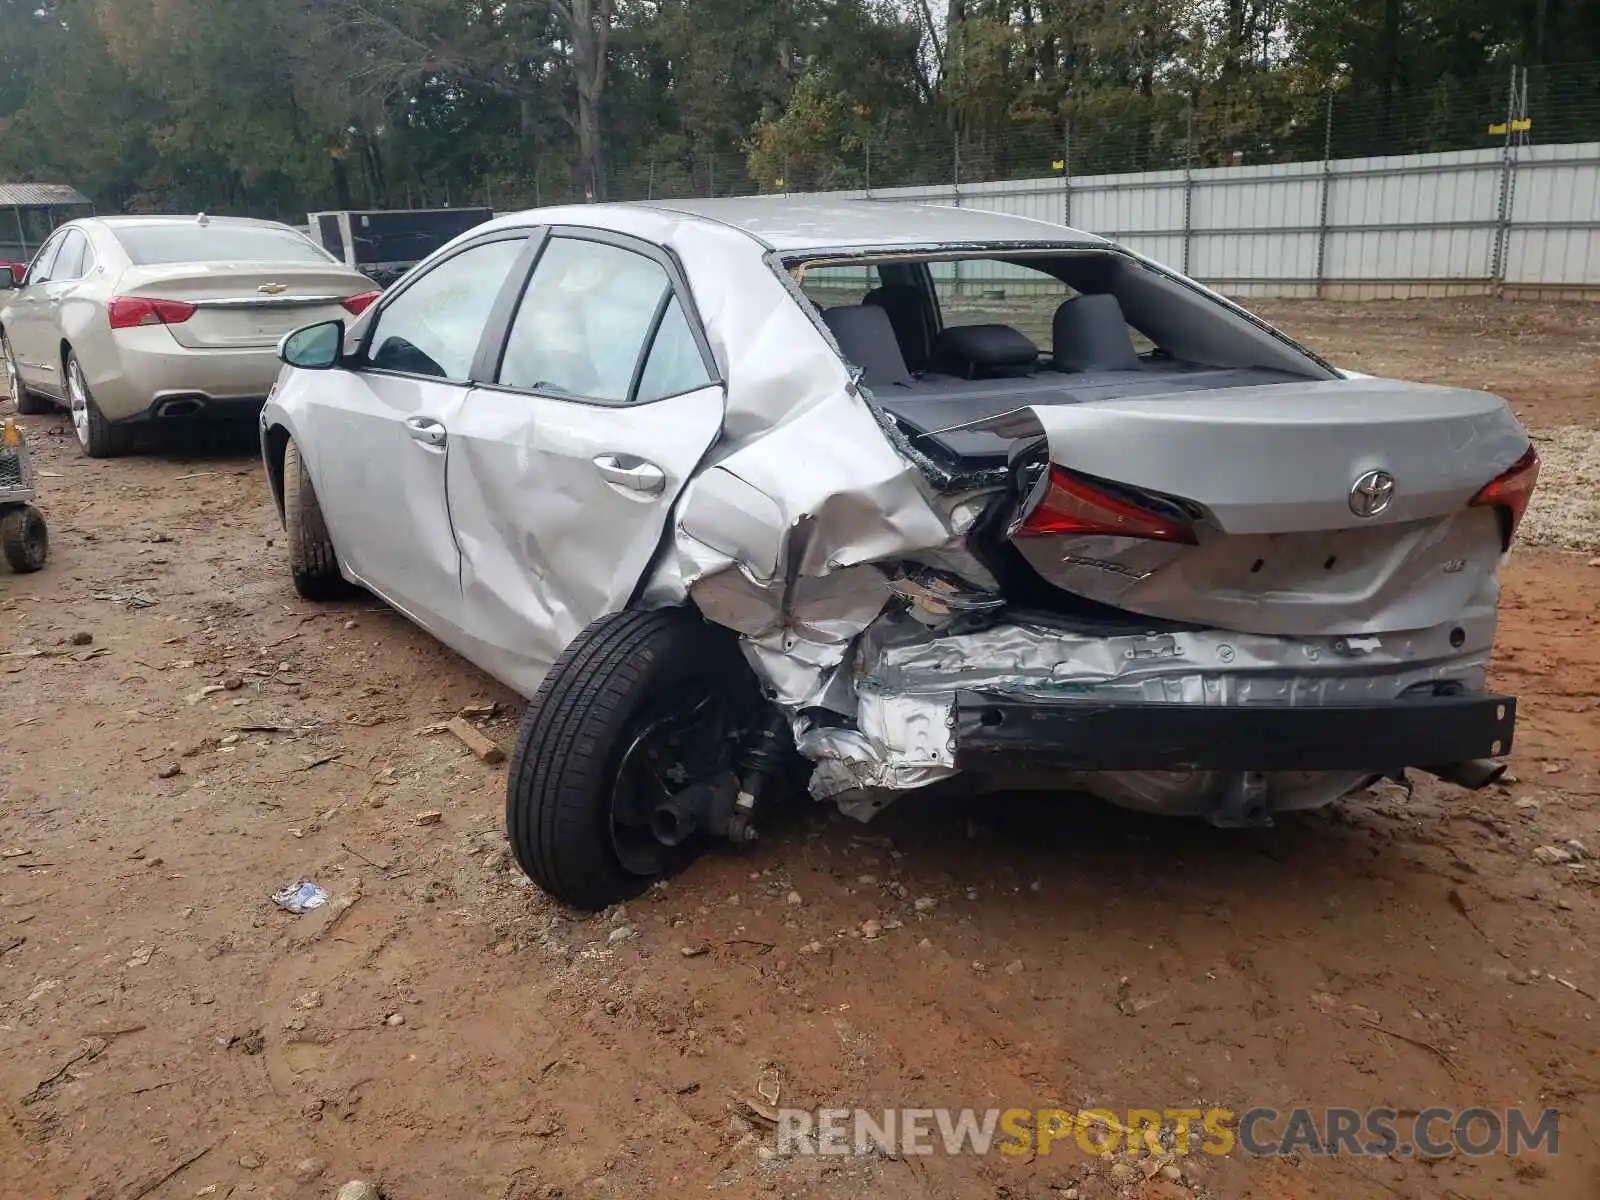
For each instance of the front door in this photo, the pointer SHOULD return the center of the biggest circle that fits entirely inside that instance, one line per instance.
(565, 469)
(382, 431)
(27, 325)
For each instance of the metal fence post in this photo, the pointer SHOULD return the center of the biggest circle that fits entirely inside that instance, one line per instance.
(955, 139)
(1066, 172)
(1508, 170)
(1188, 190)
(868, 142)
(1517, 124)
(1323, 200)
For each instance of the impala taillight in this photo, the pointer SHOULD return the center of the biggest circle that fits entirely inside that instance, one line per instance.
(129, 312)
(1510, 492)
(356, 305)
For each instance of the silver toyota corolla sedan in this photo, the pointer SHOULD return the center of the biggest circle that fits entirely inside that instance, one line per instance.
(868, 497)
(125, 320)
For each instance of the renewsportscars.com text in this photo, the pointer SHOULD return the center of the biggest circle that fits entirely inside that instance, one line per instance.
(1258, 1132)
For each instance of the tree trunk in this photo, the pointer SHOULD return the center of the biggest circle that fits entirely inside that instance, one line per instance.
(1388, 68)
(589, 29)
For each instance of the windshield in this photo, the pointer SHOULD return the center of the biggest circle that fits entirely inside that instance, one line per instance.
(153, 245)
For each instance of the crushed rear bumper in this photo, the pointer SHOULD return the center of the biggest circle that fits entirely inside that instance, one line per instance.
(993, 731)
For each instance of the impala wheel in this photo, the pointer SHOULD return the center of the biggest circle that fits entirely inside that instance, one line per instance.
(97, 437)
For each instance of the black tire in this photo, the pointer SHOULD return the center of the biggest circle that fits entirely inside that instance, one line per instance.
(618, 675)
(97, 437)
(24, 538)
(28, 404)
(312, 563)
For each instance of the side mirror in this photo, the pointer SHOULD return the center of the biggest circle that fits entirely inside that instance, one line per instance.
(8, 278)
(314, 347)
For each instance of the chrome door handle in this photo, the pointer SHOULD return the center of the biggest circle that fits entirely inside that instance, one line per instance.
(635, 474)
(426, 430)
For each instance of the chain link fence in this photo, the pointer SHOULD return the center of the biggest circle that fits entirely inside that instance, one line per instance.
(1253, 123)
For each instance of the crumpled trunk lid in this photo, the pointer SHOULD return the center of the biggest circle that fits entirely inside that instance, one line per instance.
(1272, 478)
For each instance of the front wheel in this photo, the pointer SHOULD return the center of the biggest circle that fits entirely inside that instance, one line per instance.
(97, 437)
(27, 403)
(24, 539)
(313, 566)
(640, 707)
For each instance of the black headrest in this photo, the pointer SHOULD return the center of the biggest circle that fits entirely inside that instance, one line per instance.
(867, 338)
(1090, 334)
(978, 351)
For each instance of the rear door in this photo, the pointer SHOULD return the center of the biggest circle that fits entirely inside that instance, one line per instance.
(565, 468)
(381, 432)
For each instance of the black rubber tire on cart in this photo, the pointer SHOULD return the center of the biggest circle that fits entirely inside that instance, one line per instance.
(24, 538)
(313, 566)
(630, 686)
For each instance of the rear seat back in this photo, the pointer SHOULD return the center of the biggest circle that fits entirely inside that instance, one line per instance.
(1089, 334)
(866, 336)
(907, 311)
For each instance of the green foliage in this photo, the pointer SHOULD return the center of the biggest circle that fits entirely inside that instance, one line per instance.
(235, 105)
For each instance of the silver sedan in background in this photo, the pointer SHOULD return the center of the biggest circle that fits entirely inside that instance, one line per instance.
(127, 320)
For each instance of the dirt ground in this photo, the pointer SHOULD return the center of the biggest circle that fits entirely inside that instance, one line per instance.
(443, 1030)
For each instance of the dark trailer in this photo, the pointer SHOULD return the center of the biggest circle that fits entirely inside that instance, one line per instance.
(30, 213)
(385, 243)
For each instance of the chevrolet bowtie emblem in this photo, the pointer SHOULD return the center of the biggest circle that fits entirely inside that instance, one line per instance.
(273, 289)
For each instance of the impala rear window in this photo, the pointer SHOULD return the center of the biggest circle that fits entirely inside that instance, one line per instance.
(156, 245)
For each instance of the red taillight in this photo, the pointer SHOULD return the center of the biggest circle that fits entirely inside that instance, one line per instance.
(1511, 490)
(359, 304)
(129, 312)
(1072, 506)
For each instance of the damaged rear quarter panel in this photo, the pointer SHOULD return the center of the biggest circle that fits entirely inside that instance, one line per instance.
(804, 490)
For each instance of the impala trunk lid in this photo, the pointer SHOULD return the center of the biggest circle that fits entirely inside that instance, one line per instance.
(240, 306)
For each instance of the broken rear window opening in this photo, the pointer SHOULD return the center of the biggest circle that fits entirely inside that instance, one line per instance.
(944, 340)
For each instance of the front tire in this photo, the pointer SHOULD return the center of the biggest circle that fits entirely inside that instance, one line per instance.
(579, 788)
(313, 565)
(97, 437)
(24, 539)
(27, 403)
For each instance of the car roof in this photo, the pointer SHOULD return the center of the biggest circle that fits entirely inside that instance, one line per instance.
(787, 224)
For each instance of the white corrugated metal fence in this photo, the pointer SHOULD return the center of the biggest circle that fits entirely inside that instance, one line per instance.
(1522, 220)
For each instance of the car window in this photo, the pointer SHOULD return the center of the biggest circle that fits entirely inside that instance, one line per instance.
(39, 268)
(835, 287)
(72, 262)
(161, 243)
(584, 321)
(675, 364)
(433, 327)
